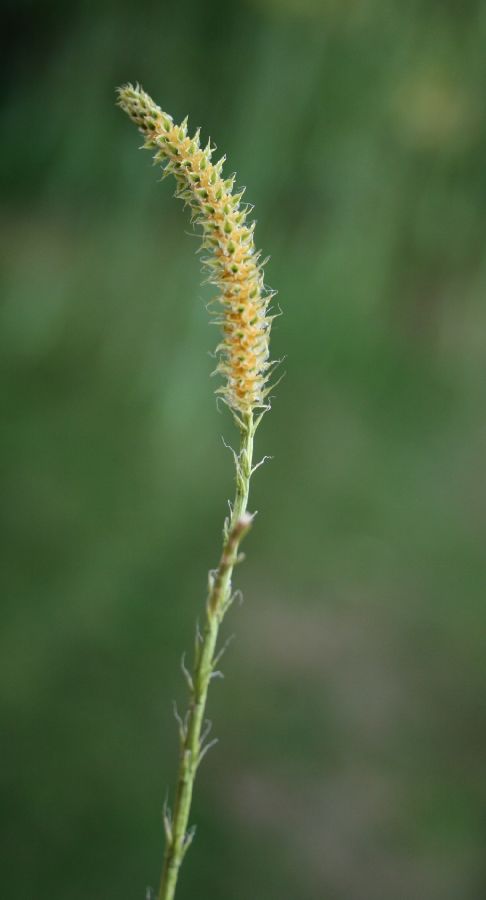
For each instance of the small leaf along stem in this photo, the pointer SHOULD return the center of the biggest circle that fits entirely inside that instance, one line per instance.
(193, 734)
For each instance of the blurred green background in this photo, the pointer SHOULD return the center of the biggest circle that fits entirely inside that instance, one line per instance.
(351, 721)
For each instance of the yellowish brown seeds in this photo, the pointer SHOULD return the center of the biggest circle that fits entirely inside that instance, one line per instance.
(233, 264)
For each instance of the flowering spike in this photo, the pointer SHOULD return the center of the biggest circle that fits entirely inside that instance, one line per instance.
(235, 265)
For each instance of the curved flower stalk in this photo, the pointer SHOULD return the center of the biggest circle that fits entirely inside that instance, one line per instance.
(242, 311)
(233, 265)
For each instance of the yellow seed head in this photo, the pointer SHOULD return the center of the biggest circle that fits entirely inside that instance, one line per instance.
(233, 264)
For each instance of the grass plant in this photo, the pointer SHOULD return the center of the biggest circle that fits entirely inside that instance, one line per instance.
(241, 308)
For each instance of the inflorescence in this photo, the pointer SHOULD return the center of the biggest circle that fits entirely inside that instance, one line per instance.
(233, 265)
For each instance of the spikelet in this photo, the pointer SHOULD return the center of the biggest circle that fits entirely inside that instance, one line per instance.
(233, 265)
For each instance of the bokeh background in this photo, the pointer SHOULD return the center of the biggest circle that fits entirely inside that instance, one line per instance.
(351, 721)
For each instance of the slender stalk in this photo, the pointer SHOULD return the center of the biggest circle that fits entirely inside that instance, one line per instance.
(192, 736)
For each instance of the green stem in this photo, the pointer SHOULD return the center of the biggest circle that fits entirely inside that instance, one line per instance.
(219, 599)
